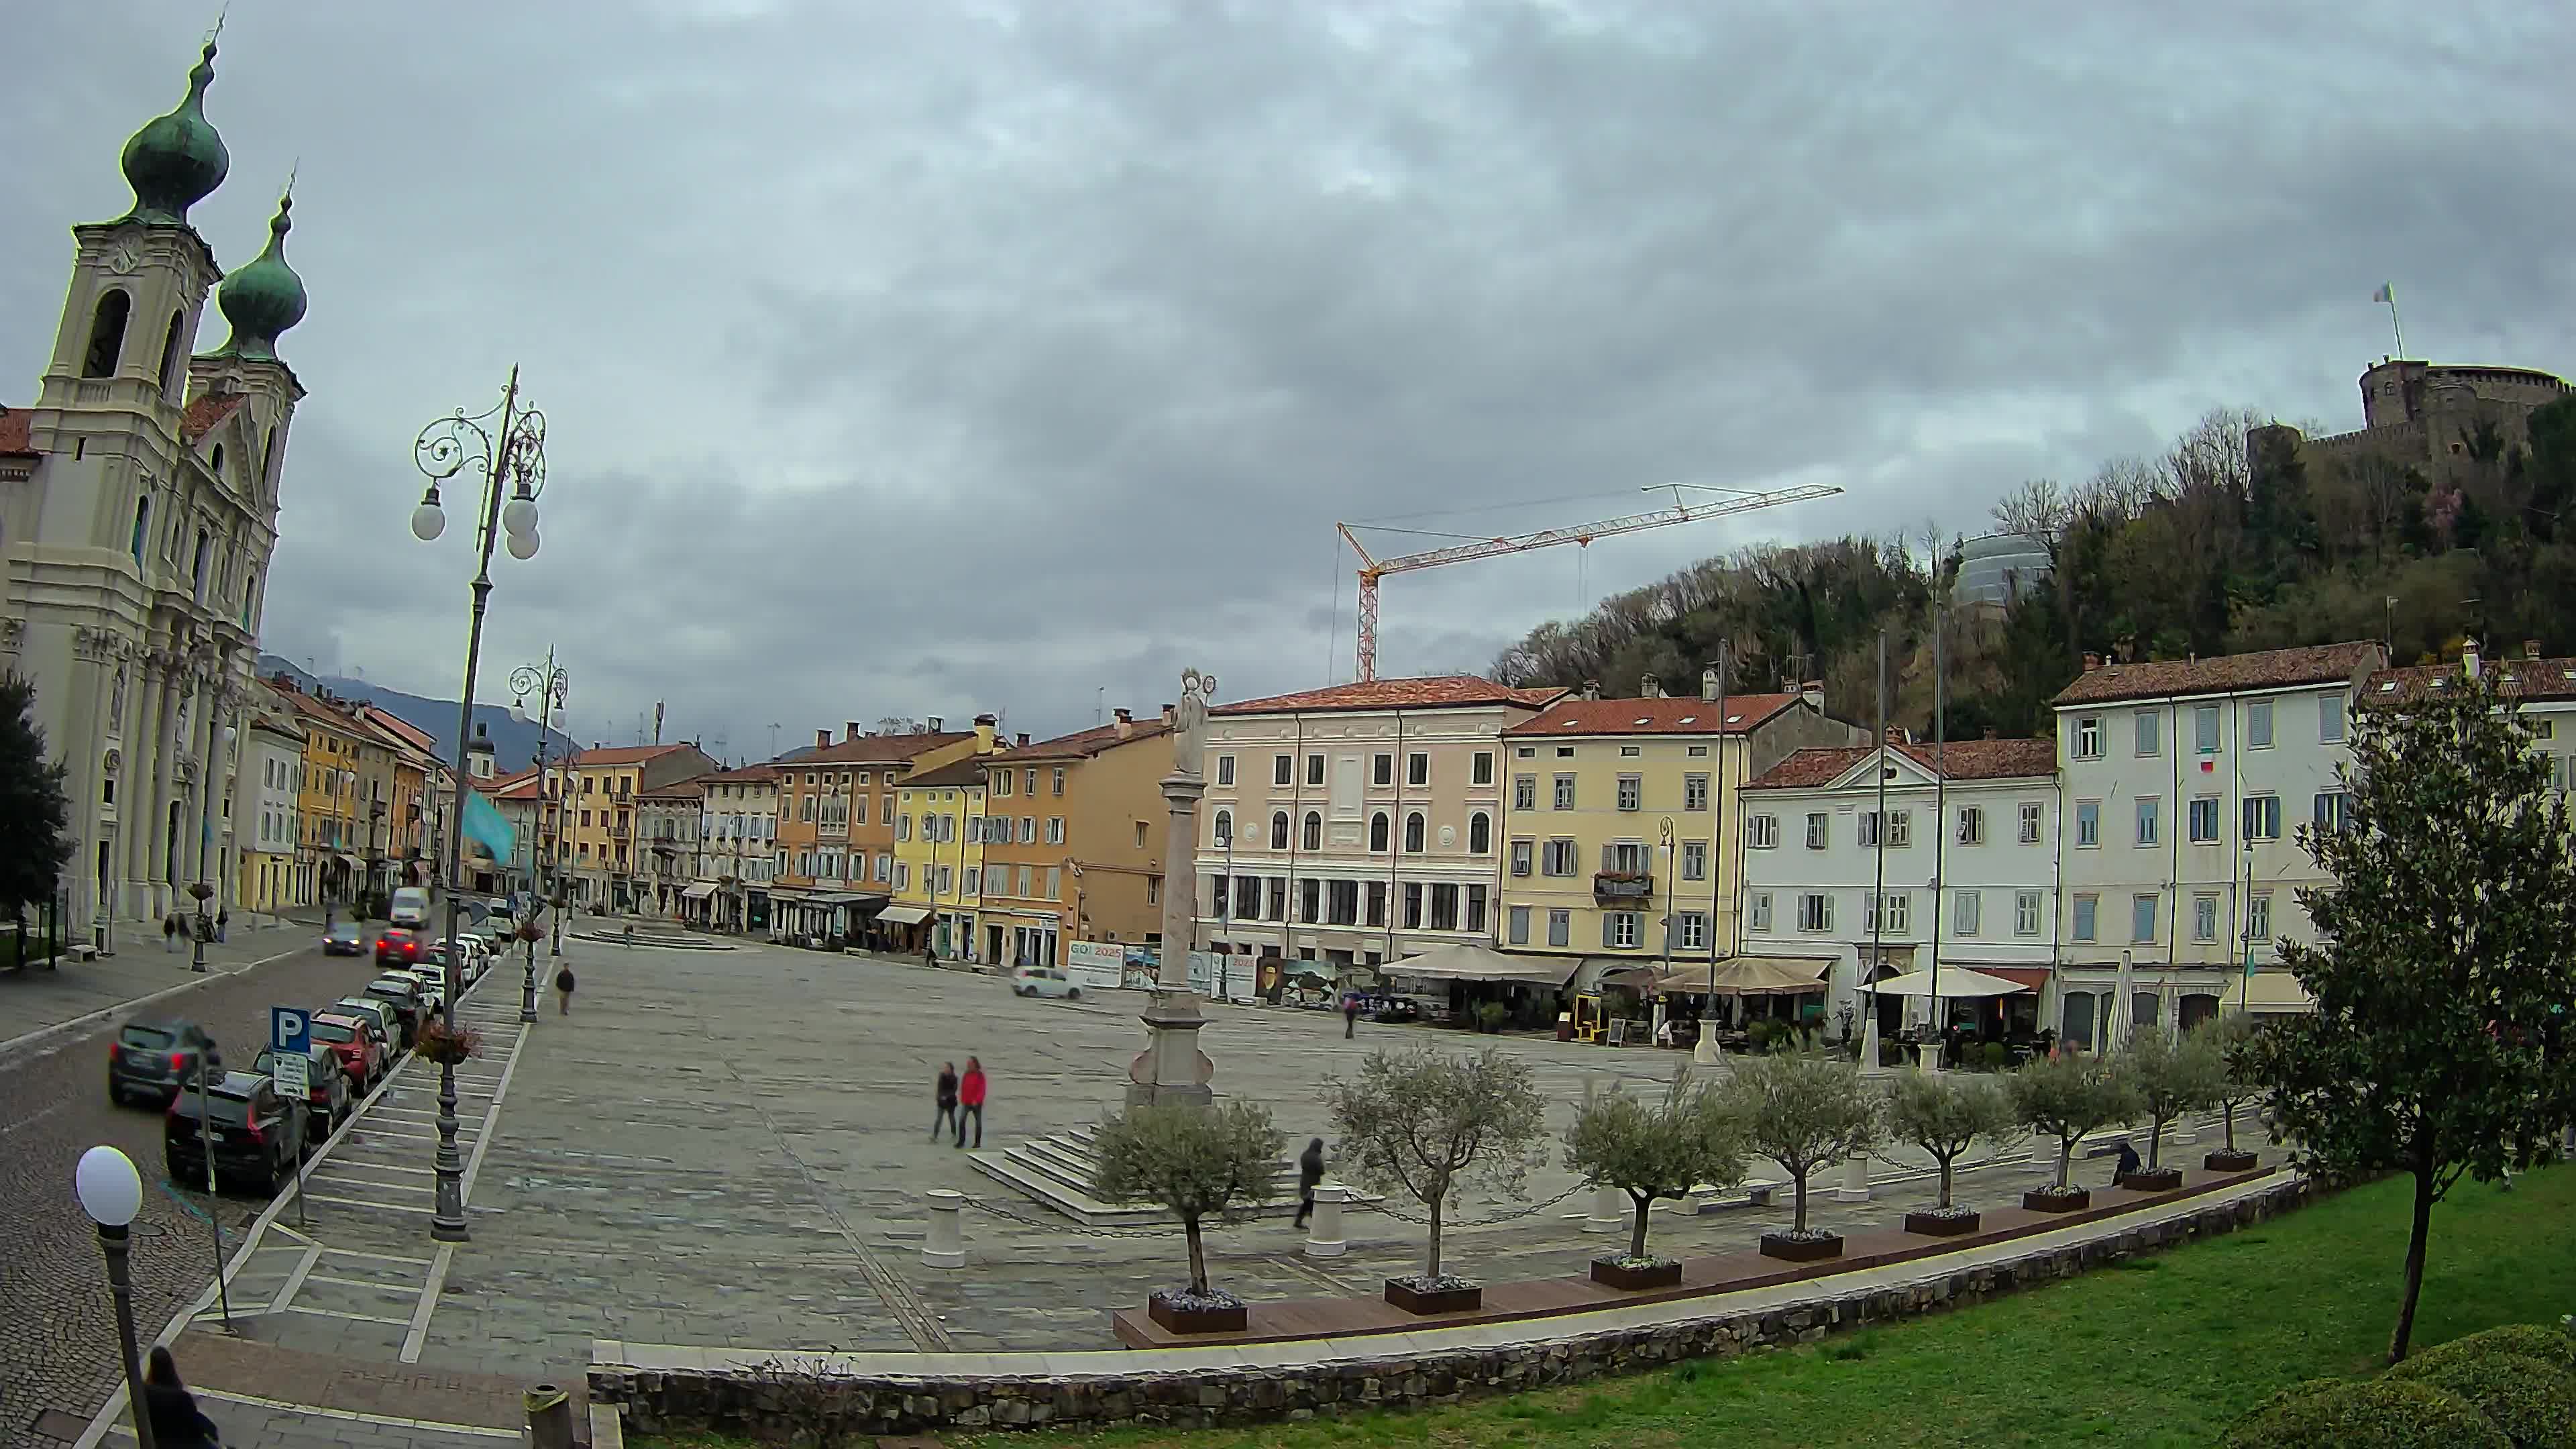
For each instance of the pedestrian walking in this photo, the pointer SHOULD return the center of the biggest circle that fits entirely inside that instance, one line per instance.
(1350, 1017)
(223, 922)
(563, 990)
(630, 935)
(1310, 1171)
(170, 933)
(2128, 1162)
(929, 956)
(947, 1100)
(970, 1101)
(177, 1422)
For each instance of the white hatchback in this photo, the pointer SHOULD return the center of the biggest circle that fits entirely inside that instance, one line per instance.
(1043, 981)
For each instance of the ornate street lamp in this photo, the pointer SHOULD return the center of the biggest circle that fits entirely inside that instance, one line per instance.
(551, 685)
(510, 455)
(111, 1192)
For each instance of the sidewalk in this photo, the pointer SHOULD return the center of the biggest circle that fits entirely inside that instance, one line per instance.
(38, 1002)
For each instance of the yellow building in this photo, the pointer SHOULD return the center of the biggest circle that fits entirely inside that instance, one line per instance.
(835, 843)
(598, 821)
(330, 839)
(939, 858)
(265, 812)
(1616, 820)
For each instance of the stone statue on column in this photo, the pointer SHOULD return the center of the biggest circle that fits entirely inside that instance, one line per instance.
(1172, 1070)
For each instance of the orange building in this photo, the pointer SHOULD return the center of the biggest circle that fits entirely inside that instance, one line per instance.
(1073, 841)
(836, 809)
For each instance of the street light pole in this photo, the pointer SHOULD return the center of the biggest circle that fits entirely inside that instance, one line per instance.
(515, 454)
(551, 686)
(111, 1192)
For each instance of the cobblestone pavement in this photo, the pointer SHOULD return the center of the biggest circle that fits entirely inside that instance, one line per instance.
(57, 1326)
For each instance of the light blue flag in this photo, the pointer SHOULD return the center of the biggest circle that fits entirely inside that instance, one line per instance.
(485, 827)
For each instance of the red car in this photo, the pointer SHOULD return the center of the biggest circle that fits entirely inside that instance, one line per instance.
(361, 1054)
(397, 948)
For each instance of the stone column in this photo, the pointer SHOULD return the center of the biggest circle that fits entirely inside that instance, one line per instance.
(134, 789)
(1324, 1229)
(1609, 1211)
(1855, 1186)
(1172, 1069)
(946, 1245)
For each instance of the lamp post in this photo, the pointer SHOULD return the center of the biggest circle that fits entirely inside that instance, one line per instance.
(510, 455)
(550, 685)
(111, 1192)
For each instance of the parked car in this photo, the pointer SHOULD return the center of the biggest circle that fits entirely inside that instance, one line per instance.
(345, 938)
(1043, 981)
(327, 1095)
(429, 983)
(381, 1020)
(154, 1056)
(395, 947)
(403, 995)
(362, 1051)
(252, 1135)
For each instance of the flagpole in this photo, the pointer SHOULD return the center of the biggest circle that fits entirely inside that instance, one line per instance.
(2388, 294)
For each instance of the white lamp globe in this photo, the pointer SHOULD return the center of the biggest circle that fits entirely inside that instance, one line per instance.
(110, 1190)
(428, 522)
(519, 515)
(523, 545)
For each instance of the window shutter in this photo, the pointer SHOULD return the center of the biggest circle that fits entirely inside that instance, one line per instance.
(1605, 928)
(1607, 857)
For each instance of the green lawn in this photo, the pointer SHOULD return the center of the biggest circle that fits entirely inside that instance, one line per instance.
(2163, 1350)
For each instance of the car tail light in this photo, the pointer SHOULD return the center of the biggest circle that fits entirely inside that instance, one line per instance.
(178, 1061)
(255, 1132)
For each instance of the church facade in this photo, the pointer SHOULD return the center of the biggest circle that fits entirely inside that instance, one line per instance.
(138, 513)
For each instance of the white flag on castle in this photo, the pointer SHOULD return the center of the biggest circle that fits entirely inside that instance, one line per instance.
(2386, 293)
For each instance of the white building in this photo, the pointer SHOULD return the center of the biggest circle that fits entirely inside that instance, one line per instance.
(266, 819)
(2185, 782)
(1964, 871)
(139, 513)
(738, 857)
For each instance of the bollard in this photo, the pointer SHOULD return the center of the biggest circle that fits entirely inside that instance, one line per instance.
(1855, 1186)
(2184, 1134)
(1324, 1229)
(946, 1245)
(1609, 1211)
(549, 1417)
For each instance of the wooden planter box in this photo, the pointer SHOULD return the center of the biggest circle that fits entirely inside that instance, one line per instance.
(1610, 1274)
(1196, 1320)
(2150, 1179)
(1448, 1300)
(1801, 1250)
(2226, 1161)
(1933, 1225)
(2050, 1200)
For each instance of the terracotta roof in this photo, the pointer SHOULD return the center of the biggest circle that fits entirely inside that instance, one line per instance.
(966, 772)
(206, 410)
(402, 730)
(2538, 679)
(522, 787)
(15, 430)
(1959, 760)
(747, 775)
(2269, 669)
(1083, 744)
(677, 790)
(1442, 691)
(1660, 716)
(620, 755)
(877, 749)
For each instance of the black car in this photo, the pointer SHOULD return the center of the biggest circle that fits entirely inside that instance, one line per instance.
(252, 1130)
(344, 939)
(153, 1056)
(404, 998)
(327, 1090)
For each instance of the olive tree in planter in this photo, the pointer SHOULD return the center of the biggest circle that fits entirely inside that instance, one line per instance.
(1804, 1111)
(2170, 1078)
(1945, 1114)
(2065, 1097)
(1197, 1161)
(2232, 1037)
(1427, 1123)
(1651, 1151)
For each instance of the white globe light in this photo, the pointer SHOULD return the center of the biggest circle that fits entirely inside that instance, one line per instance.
(523, 545)
(110, 1190)
(519, 515)
(428, 522)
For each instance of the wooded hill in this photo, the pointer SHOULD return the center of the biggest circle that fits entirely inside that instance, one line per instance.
(2212, 547)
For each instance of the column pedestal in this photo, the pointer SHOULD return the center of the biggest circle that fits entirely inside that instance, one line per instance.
(1171, 1070)
(1609, 1211)
(1324, 1229)
(1855, 1186)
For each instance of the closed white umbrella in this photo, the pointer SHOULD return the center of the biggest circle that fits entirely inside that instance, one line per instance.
(2122, 1013)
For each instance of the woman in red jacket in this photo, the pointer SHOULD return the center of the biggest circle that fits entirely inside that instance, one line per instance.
(970, 1101)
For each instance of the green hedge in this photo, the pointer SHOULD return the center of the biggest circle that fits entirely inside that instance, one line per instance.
(2534, 1403)
(2379, 1414)
(2528, 1340)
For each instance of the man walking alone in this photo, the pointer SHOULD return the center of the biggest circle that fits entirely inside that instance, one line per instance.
(1310, 1172)
(970, 1101)
(947, 1100)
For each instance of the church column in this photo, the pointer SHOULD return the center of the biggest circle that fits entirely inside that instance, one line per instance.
(179, 705)
(134, 802)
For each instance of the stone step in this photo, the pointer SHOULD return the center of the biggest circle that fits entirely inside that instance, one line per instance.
(1058, 1172)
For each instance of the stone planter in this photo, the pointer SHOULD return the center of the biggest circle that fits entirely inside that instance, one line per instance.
(2150, 1179)
(1801, 1250)
(2225, 1161)
(1941, 1225)
(1466, 1298)
(2050, 1200)
(1611, 1273)
(1197, 1317)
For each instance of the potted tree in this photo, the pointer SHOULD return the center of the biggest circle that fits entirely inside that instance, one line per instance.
(1426, 1123)
(2065, 1097)
(2170, 1077)
(1197, 1161)
(2231, 1038)
(1803, 1111)
(1946, 1113)
(1652, 1151)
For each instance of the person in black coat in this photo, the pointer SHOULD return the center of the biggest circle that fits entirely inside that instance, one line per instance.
(947, 1099)
(1310, 1171)
(177, 1422)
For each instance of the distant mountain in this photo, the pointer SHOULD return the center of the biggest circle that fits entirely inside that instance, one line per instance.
(514, 741)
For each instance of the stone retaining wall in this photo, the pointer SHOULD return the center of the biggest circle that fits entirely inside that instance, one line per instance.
(806, 1391)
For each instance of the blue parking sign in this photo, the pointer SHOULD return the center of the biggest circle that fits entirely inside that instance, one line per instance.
(290, 1029)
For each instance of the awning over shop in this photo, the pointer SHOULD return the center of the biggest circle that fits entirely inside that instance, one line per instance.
(351, 861)
(1465, 962)
(2029, 978)
(842, 898)
(1752, 976)
(2270, 992)
(904, 915)
(699, 892)
(1955, 981)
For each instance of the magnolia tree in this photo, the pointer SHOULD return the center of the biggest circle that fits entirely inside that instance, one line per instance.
(2444, 983)
(1655, 1150)
(2067, 1096)
(1803, 1111)
(1945, 1114)
(1197, 1161)
(1427, 1123)
(2171, 1078)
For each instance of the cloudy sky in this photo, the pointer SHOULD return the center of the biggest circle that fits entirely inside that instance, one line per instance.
(930, 358)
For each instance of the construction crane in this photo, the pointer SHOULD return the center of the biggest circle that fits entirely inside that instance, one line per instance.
(1372, 568)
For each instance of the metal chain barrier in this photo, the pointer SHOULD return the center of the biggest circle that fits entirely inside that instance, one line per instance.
(1069, 1226)
(1446, 1223)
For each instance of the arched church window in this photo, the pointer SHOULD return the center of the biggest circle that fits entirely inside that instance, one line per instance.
(215, 465)
(107, 335)
(197, 570)
(171, 354)
(142, 522)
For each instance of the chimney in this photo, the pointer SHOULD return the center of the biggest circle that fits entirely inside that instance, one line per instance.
(1171, 716)
(1813, 692)
(822, 738)
(2530, 648)
(1896, 734)
(1990, 732)
(984, 728)
(1021, 739)
(850, 730)
(1592, 689)
(1708, 685)
(2469, 657)
(2092, 661)
(933, 725)
(1649, 687)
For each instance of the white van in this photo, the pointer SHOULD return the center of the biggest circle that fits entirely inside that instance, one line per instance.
(410, 907)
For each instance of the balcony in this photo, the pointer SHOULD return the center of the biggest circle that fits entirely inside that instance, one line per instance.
(619, 832)
(1623, 886)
